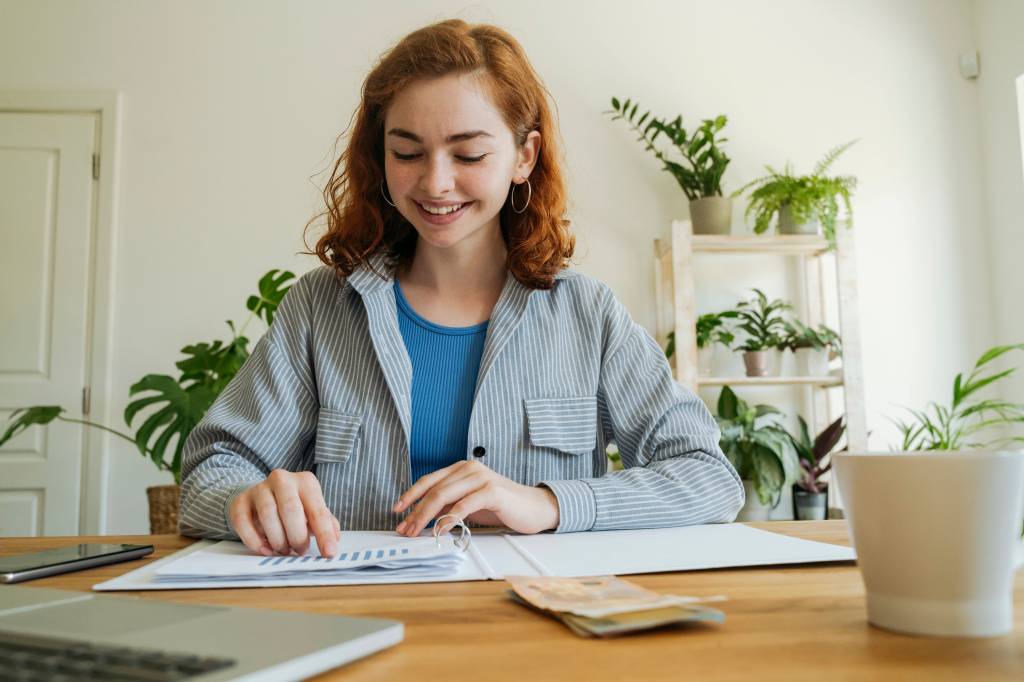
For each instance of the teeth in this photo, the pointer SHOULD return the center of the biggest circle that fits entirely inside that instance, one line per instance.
(442, 211)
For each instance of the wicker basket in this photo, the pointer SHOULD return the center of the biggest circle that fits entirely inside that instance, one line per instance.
(163, 509)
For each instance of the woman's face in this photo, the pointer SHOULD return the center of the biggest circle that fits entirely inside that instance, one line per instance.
(450, 160)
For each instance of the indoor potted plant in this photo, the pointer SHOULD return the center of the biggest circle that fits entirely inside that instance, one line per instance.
(713, 330)
(963, 424)
(812, 348)
(704, 162)
(764, 326)
(761, 450)
(176, 405)
(956, 485)
(810, 494)
(804, 204)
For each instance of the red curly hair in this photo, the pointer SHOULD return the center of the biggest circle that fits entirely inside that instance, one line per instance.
(360, 224)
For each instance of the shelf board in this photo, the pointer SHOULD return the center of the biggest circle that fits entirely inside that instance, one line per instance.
(770, 381)
(809, 245)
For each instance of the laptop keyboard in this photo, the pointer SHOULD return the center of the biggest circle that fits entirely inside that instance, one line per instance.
(27, 657)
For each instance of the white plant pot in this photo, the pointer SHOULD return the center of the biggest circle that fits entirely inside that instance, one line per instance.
(811, 362)
(706, 360)
(753, 510)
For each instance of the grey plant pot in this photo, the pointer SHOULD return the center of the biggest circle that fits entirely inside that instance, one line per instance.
(788, 226)
(711, 215)
(758, 363)
(753, 510)
(810, 506)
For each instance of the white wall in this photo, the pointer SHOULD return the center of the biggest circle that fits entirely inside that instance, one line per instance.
(999, 26)
(231, 107)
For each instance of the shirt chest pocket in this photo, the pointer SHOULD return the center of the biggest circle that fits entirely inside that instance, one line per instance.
(566, 424)
(337, 435)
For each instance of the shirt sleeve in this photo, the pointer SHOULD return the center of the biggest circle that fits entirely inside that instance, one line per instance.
(675, 473)
(264, 419)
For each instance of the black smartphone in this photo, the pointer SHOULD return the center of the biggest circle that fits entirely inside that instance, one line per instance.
(18, 567)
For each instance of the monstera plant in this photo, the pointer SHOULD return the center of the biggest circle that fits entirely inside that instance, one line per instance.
(174, 406)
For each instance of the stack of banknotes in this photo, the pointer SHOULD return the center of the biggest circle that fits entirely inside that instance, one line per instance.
(606, 606)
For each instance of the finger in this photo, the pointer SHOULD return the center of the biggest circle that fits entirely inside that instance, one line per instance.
(460, 474)
(446, 493)
(423, 485)
(474, 502)
(241, 517)
(266, 512)
(319, 516)
(293, 516)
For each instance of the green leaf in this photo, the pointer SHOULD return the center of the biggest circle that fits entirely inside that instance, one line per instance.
(25, 417)
(182, 408)
(615, 103)
(993, 353)
(728, 404)
(973, 387)
(272, 288)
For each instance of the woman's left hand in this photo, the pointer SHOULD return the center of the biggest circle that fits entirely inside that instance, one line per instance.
(472, 492)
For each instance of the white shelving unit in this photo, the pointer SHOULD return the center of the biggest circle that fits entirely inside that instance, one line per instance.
(675, 295)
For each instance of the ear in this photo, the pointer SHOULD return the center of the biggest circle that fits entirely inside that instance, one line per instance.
(527, 157)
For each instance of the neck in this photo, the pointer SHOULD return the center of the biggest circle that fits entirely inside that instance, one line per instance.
(464, 267)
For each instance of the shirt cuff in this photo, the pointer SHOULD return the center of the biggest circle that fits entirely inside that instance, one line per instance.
(229, 496)
(577, 506)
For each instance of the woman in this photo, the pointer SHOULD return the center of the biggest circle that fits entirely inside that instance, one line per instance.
(445, 360)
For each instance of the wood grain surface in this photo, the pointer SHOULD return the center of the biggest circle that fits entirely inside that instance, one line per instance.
(782, 623)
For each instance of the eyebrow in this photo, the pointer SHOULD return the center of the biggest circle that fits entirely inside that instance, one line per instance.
(451, 139)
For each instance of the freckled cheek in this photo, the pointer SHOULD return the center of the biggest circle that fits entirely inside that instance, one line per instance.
(483, 186)
(401, 181)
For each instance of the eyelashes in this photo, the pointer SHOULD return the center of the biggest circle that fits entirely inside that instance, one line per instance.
(463, 159)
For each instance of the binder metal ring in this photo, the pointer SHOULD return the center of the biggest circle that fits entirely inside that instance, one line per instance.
(462, 541)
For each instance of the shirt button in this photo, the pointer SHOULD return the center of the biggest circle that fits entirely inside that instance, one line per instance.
(479, 451)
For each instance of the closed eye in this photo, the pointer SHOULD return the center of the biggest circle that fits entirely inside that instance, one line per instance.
(413, 157)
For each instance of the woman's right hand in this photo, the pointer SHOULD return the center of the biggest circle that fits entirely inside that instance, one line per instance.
(279, 514)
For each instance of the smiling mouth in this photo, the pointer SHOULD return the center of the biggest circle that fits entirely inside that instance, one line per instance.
(442, 210)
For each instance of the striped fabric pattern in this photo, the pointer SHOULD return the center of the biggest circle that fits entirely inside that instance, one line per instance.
(564, 372)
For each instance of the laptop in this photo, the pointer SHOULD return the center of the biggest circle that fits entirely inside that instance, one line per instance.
(58, 634)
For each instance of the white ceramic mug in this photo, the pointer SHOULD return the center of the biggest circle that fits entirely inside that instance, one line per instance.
(936, 536)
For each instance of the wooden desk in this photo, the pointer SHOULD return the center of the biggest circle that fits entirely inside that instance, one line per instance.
(782, 624)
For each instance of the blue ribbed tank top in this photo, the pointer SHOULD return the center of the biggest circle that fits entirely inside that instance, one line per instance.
(445, 362)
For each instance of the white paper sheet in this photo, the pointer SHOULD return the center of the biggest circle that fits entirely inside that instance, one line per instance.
(622, 552)
(493, 556)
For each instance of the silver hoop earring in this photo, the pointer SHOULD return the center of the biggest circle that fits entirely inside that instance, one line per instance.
(384, 194)
(512, 197)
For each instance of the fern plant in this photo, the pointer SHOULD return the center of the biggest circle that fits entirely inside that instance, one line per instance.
(177, 404)
(962, 423)
(705, 162)
(806, 196)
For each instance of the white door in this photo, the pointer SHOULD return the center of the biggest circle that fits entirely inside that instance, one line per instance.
(46, 228)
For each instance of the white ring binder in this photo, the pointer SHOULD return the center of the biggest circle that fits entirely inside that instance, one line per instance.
(462, 541)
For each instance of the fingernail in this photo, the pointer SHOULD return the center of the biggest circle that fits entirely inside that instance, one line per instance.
(397, 506)
(332, 549)
(266, 551)
(401, 527)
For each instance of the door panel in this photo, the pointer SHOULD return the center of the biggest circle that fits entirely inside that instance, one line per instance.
(46, 227)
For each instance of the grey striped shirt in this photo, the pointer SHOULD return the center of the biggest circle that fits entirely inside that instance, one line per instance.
(564, 373)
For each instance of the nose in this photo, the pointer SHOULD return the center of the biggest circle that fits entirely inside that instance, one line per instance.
(438, 177)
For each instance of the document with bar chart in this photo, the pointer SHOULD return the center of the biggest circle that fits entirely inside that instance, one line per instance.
(366, 557)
